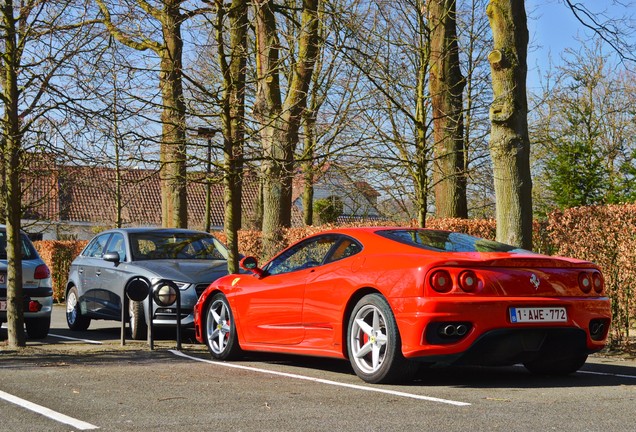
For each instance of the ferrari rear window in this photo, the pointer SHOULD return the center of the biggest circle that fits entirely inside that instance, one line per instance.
(446, 241)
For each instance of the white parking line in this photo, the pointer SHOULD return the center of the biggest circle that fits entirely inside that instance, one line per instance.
(78, 424)
(596, 373)
(606, 374)
(323, 381)
(76, 339)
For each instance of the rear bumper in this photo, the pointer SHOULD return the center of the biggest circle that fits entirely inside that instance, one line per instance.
(511, 346)
(42, 295)
(491, 338)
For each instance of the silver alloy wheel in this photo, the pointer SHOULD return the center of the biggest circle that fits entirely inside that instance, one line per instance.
(368, 339)
(218, 326)
(71, 307)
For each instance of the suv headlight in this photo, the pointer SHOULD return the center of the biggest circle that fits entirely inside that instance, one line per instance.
(165, 292)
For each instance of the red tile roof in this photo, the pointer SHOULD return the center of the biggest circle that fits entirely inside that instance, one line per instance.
(87, 194)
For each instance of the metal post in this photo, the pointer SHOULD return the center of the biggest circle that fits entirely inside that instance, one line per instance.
(151, 341)
(208, 133)
(208, 189)
(178, 319)
(123, 319)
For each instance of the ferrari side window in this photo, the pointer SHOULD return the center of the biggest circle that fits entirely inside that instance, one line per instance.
(346, 248)
(305, 255)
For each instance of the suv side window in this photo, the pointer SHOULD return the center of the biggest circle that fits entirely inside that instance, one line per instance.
(95, 249)
(117, 244)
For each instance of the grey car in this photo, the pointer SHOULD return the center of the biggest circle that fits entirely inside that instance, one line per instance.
(117, 259)
(36, 284)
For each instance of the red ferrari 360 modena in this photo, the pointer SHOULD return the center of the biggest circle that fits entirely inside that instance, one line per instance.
(389, 299)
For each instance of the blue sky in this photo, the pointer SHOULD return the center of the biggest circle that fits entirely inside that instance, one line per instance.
(553, 28)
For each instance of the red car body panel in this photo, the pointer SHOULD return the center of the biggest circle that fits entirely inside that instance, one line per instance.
(306, 311)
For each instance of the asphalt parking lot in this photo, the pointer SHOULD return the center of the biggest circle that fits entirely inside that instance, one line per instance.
(87, 381)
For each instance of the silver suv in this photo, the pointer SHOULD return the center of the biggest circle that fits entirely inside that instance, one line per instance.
(36, 282)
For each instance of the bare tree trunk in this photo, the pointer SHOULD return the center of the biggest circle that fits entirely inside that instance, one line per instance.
(267, 109)
(280, 121)
(446, 87)
(422, 149)
(233, 119)
(11, 140)
(509, 142)
(422, 153)
(308, 166)
(173, 142)
(15, 296)
(173, 135)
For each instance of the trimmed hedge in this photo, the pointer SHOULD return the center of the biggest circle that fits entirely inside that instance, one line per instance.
(605, 235)
(58, 255)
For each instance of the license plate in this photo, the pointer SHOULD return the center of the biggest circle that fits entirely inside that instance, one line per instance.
(538, 314)
(3, 305)
(3, 278)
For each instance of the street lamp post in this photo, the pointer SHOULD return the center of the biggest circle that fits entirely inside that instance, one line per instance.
(206, 132)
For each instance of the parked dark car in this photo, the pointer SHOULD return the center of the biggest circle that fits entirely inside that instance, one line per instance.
(99, 276)
(36, 284)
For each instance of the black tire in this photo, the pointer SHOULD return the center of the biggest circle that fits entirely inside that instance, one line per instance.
(37, 328)
(548, 365)
(137, 320)
(220, 329)
(74, 318)
(374, 345)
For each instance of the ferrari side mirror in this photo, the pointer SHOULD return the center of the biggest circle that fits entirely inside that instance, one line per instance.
(251, 264)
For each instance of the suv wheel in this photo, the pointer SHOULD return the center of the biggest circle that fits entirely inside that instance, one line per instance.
(74, 318)
(137, 320)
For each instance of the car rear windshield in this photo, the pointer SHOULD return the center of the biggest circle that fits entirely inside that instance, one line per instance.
(446, 241)
(170, 245)
(28, 251)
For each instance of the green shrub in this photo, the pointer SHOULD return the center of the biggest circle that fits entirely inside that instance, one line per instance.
(328, 209)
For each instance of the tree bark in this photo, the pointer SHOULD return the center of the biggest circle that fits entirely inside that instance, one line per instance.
(280, 121)
(446, 86)
(173, 135)
(308, 167)
(233, 119)
(173, 143)
(12, 148)
(422, 148)
(267, 109)
(509, 142)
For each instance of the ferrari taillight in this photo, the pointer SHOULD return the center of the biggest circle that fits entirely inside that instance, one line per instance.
(468, 280)
(585, 282)
(441, 281)
(597, 282)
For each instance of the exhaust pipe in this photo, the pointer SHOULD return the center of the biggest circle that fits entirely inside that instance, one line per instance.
(449, 330)
(456, 330)
(461, 330)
